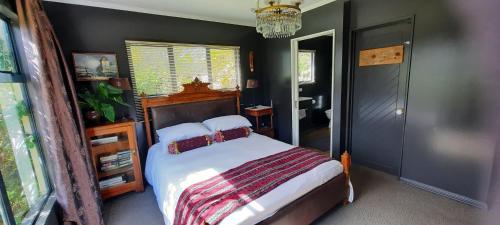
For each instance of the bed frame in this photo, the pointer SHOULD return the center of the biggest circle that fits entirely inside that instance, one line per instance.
(198, 95)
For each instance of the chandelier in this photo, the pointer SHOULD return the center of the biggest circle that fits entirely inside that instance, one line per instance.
(278, 20)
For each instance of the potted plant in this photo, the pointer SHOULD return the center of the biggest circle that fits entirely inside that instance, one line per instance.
(102, 103)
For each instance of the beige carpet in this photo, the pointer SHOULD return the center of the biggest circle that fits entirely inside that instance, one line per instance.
(381, 200)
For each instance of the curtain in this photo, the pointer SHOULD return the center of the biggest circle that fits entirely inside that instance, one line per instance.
(58, 118)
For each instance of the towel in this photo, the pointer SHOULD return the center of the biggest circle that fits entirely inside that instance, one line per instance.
(302, 113)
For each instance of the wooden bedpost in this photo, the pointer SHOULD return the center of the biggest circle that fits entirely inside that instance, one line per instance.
(346, 163)
(238, 94)
(146, 119)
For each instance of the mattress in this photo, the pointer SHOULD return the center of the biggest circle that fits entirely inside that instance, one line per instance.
(171, 174)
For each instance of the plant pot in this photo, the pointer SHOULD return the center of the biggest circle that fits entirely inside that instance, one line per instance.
(93, 117)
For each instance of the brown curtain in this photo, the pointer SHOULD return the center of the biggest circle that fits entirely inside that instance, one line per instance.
(58, 117)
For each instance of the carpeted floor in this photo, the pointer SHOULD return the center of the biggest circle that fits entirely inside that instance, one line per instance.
(381, 200)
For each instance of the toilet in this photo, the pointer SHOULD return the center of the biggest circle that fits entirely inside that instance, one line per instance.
(329, 115)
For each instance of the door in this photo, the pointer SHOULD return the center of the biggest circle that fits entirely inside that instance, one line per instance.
(296, 100)
(379, 96)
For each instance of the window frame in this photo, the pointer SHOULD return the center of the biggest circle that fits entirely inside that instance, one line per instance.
(19, 77)
(313, 67)
(170, 46)
(6, 213)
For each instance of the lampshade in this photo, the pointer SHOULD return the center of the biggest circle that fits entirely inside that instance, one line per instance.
(121, 83)
(252, 83)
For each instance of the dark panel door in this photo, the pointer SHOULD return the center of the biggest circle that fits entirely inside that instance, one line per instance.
(379, 99)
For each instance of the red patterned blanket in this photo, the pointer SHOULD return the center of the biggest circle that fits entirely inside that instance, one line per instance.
(212, 200)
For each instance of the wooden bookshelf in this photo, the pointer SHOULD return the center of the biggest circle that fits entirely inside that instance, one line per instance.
(123, 145)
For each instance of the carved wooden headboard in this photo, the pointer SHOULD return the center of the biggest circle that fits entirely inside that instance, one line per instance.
(194, 104)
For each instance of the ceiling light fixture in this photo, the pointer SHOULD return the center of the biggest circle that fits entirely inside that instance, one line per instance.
(278, 20)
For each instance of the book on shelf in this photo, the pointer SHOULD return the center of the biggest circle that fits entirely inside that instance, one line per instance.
(114, 181)
(116, 161)
(125, 162)
(104, 140)
(108, 158)
(115, 166)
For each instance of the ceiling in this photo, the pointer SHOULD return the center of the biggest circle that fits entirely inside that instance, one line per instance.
(224, 11)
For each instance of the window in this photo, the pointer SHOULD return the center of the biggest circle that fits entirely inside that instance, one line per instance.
(306, 66)
(162, 68)
(23, 178)
(6, 53)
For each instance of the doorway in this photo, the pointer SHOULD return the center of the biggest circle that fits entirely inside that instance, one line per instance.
(379, 91)
(312, 89)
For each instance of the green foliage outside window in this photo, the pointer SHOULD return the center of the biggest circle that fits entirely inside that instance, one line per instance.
(190, 62)
(160, 69)
(151, 69)
(223, 68)
(6, 57)
(306, 67)
(10, 175)
(20, 163)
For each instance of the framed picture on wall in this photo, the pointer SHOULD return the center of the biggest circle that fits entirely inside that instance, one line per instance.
(95, 66)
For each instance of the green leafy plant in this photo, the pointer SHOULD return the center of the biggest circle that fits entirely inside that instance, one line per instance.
(104, 100)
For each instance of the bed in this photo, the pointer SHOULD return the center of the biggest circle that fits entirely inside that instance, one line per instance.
(300, 200)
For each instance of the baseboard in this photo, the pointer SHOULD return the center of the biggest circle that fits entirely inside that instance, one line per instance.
(447, 194)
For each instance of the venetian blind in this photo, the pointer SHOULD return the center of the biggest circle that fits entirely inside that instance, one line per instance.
(161, 68)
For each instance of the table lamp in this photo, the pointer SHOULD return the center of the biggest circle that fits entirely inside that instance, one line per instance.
(252, 84)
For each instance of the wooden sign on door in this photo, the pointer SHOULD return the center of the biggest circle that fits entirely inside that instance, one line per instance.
(381, 56)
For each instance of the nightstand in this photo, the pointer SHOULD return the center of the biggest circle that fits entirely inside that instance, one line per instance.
(115, 158)
(262, 126)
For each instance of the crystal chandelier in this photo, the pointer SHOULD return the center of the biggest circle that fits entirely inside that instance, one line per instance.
(278, 20)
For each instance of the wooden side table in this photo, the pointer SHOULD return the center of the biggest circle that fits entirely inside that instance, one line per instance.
(258, 112)
(115, 157)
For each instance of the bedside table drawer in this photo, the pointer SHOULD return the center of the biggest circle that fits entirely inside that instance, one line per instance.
(261, 112)
(263, 120)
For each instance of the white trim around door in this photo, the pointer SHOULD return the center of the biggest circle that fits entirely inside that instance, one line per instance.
(294, 43)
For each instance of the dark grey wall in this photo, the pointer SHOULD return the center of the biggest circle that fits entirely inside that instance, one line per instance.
(277, 76)
(90, 29)
(447, 141)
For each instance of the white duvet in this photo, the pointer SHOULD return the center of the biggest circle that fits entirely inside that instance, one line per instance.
(171, 174)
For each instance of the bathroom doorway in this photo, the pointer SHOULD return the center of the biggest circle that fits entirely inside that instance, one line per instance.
(312, 89)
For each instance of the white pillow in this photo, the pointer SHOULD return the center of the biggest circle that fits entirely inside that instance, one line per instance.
(226, 123)
(181, 132)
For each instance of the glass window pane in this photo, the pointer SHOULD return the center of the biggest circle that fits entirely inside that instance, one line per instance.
(151, 70)
(224, 70)
(2, 215)
(305, 67)
(20, 159)
(7, 63)
(190, 62)
(162, 68)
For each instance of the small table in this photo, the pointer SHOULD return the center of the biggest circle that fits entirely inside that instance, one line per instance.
(260, 111)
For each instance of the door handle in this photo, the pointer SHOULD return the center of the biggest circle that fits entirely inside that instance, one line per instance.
(399, 111)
